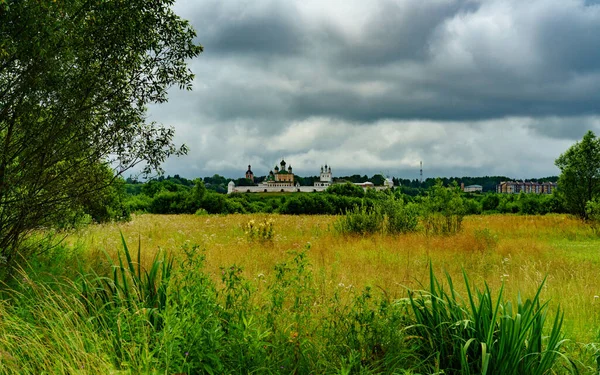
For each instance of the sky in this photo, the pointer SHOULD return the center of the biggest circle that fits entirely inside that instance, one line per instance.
(468, 87)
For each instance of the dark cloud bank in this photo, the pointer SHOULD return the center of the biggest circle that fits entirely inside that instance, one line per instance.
(469, 87)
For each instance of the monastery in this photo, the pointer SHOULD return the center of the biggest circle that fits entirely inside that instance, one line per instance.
(281, 179)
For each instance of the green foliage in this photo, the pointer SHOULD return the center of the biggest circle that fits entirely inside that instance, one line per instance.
(443, 210)
(167, 202)
(490, 202)
(138, 203)
(390, 216)
(592, 209)
(167, 320)
(579, 180)
(214, 203)
(108, 203)
(76, 79)
(123, 317)
(307, 204)
(472, 207)
(483, 336)
(360, 220)
(130, 287)
(348, 190)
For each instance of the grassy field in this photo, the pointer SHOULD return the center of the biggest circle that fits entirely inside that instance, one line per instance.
(305, 299)
(519, 251)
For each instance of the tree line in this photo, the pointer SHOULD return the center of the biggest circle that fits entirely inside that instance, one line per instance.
(174, 195)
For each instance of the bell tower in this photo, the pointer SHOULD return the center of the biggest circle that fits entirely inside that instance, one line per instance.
(249, 174)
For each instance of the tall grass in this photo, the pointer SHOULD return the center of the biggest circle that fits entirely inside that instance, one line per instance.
(483, 336)
(174, 315)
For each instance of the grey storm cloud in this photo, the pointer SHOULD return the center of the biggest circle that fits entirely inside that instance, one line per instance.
(314, 80)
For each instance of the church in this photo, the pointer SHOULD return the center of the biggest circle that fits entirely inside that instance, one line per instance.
(279, 176)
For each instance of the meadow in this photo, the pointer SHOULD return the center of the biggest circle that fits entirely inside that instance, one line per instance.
(514, 250)
(346, 276)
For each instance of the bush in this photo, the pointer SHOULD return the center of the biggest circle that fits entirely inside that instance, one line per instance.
(307, 204)
(167, 202)
(214, 203)
(347, 189)
(360, 220)
(138, 203)
(234, 207)
(400, 217)
(472, 207)
(391, 216)
(530, 204)
(490, 202)
(443, 210)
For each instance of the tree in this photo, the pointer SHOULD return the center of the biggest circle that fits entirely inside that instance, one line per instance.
(443, 209)
(579, 181)
(75, 80)
(347, 189)
(377, 180)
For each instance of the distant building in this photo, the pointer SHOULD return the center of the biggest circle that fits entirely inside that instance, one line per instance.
(249, 174)
(325, 178)
(280, 176)
(473, 189)
(527, 187)
(364, 185)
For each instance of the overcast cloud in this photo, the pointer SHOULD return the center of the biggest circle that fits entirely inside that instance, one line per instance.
(471, 87)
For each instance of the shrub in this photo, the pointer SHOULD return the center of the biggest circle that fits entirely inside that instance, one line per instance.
(399, 217)
(490, 202)
(307, 204)
(443, 209)
(472, 207)
(234, 206)
(214, 203)
(360, 220)
(167, 202)
(347, 189)
(138, 203)
(391, 216)
(201, 212)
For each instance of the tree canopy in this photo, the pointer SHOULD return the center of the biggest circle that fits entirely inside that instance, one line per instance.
(75, 79)
(579, 181)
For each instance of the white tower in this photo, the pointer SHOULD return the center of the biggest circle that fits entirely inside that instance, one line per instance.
(325, 174)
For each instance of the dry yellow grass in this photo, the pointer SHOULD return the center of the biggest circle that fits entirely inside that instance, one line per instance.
(517, 250)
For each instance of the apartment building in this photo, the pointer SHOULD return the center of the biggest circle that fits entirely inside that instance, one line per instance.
(527, 187)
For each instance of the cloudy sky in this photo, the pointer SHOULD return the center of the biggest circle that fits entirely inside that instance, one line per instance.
(469, 87)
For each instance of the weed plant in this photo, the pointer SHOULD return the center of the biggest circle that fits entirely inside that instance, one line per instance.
(483, 336)
(263, 230)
